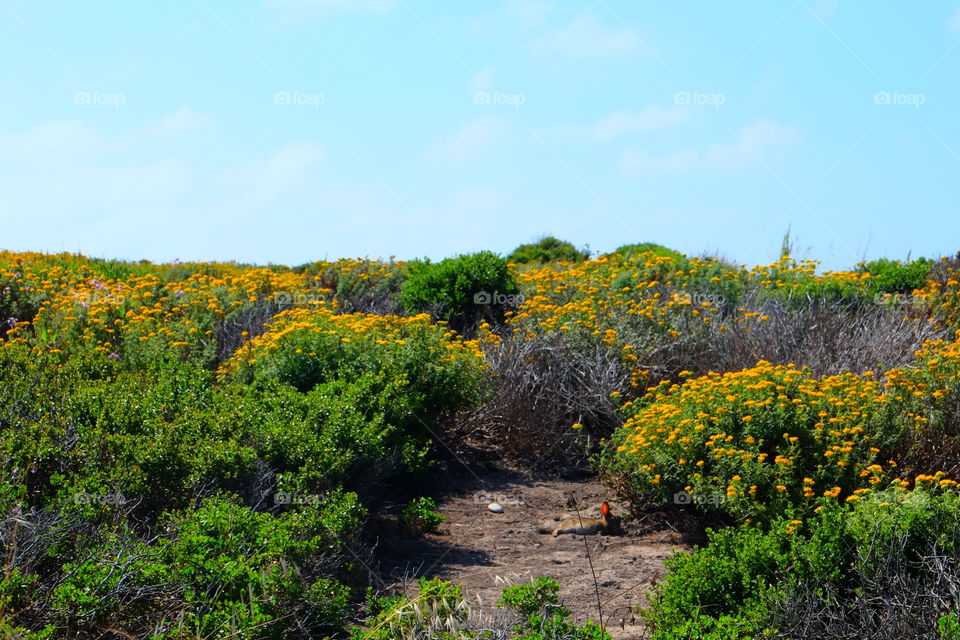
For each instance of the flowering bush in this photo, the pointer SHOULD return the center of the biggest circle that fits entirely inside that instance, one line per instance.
(760, 441)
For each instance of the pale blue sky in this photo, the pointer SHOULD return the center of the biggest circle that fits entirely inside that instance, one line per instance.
(293, 130)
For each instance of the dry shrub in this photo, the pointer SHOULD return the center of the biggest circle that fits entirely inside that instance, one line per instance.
(827, 336)
(901, 599)
(543, 386)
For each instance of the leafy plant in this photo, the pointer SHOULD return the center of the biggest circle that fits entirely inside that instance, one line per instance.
(547, 249)
(462, 290)
(421, 514)
(543, 615)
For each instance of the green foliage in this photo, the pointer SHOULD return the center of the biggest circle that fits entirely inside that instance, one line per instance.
(461, 290)
(747, 575)
(239, 568)
(439, 612)
(421, 514)
(631, 250)
(547, 249)
(948, 627)
(10, 632)
(544, 617)
(892, 276)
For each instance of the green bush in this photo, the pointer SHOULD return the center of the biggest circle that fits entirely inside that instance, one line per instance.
(255, 574)
(463, 290)
(421, 514)
(631, 250)
(891, 276)
(547, 249)
(838, 563)
(543, 615)
(948, 627)
(439, 612)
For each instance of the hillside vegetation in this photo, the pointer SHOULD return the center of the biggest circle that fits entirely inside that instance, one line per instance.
(191, 450)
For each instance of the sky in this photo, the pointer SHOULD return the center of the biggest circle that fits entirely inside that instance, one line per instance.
(288, 131)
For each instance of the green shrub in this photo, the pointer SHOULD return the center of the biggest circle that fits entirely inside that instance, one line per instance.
(631, 250)
(439, 612)
(841, 566)
(463, 290)
(894, 277)
(547, 249)
(420, 514)
(543, 615)
(255, 574)
(948, 627)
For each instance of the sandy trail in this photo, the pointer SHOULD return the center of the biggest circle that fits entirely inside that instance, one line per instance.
(484, 551)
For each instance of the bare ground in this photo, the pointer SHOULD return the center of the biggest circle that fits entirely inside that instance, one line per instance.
(486, 551)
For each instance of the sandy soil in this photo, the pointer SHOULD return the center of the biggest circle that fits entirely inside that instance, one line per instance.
(486, 551)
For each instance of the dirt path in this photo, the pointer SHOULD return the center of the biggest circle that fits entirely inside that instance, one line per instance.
(486, 551)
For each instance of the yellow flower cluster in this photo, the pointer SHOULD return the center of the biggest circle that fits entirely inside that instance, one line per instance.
(153, 308)
(361, 331)
(770, 433)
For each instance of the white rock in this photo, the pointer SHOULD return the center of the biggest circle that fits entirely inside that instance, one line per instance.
(495, 507)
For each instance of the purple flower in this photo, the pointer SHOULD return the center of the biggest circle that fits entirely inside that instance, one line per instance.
(11, 321)
(114, 356)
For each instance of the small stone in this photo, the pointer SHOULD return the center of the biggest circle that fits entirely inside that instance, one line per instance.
(495, 507)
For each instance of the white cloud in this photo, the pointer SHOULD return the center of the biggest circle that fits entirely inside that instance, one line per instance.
(483, 81)
(588, 38)
(953, 24)
(281, 173)
(183, 120)
(624, 123)
(69, 185)
(470, 140)
(755, 143)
